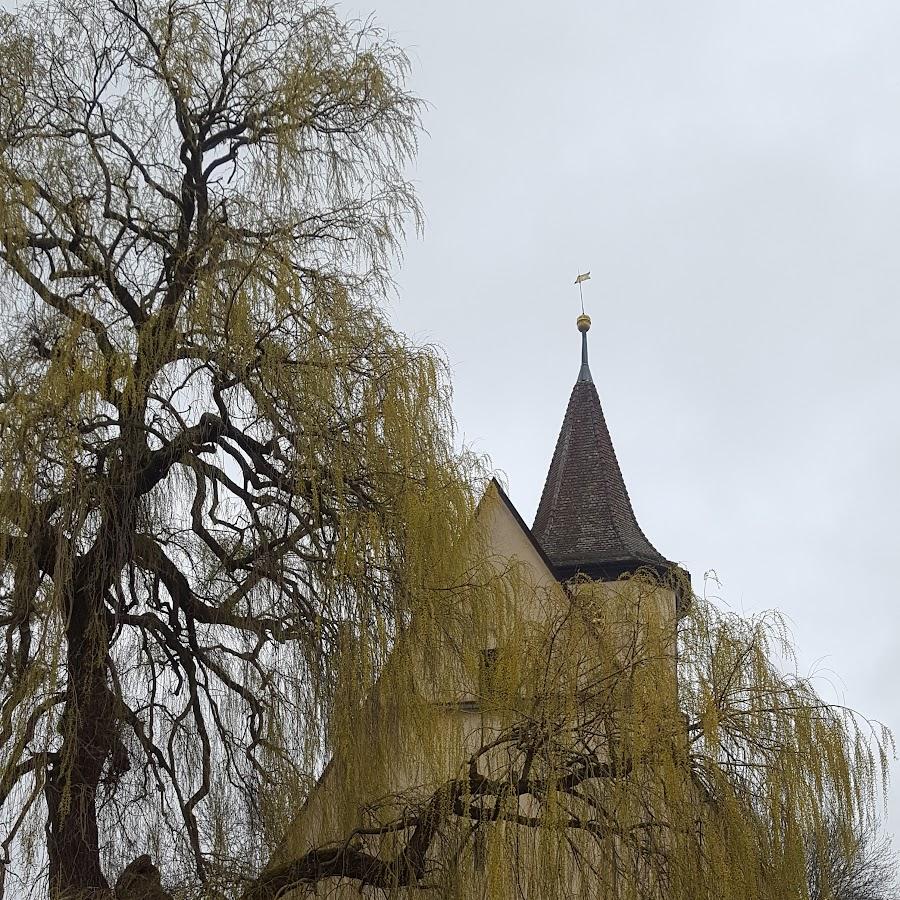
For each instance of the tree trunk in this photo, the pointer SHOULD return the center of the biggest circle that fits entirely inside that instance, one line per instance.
(89, 734)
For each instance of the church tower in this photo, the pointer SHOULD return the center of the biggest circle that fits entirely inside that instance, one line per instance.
(585, 523)
(584, 529)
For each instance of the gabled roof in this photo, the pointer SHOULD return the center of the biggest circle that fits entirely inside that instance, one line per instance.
(510, 506)
(584, 521)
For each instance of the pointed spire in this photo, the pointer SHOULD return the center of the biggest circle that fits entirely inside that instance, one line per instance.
(584, 326)
(584, 521)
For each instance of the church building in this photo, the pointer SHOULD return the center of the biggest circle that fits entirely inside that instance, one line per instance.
(585, 537)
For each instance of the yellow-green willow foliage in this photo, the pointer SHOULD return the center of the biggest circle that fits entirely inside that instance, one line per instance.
(609, 749)
(225, 481)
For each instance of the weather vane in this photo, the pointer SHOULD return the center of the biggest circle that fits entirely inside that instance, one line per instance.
(585, 276)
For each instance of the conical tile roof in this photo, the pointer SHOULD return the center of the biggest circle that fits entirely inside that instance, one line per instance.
(584, 521)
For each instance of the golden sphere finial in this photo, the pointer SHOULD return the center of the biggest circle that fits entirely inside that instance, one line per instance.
(584, 323)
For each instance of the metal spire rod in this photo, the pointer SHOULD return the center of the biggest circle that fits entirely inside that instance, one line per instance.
(584, 323)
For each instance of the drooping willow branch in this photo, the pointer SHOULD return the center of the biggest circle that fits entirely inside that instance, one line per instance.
(600, 775)
(477, 798)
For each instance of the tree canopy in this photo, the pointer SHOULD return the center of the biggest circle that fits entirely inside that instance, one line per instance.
(215, 453)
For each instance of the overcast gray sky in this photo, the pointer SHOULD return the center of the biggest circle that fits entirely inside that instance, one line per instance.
(730, 174)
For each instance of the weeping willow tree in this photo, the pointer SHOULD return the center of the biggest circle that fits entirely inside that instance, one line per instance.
(218, 464)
